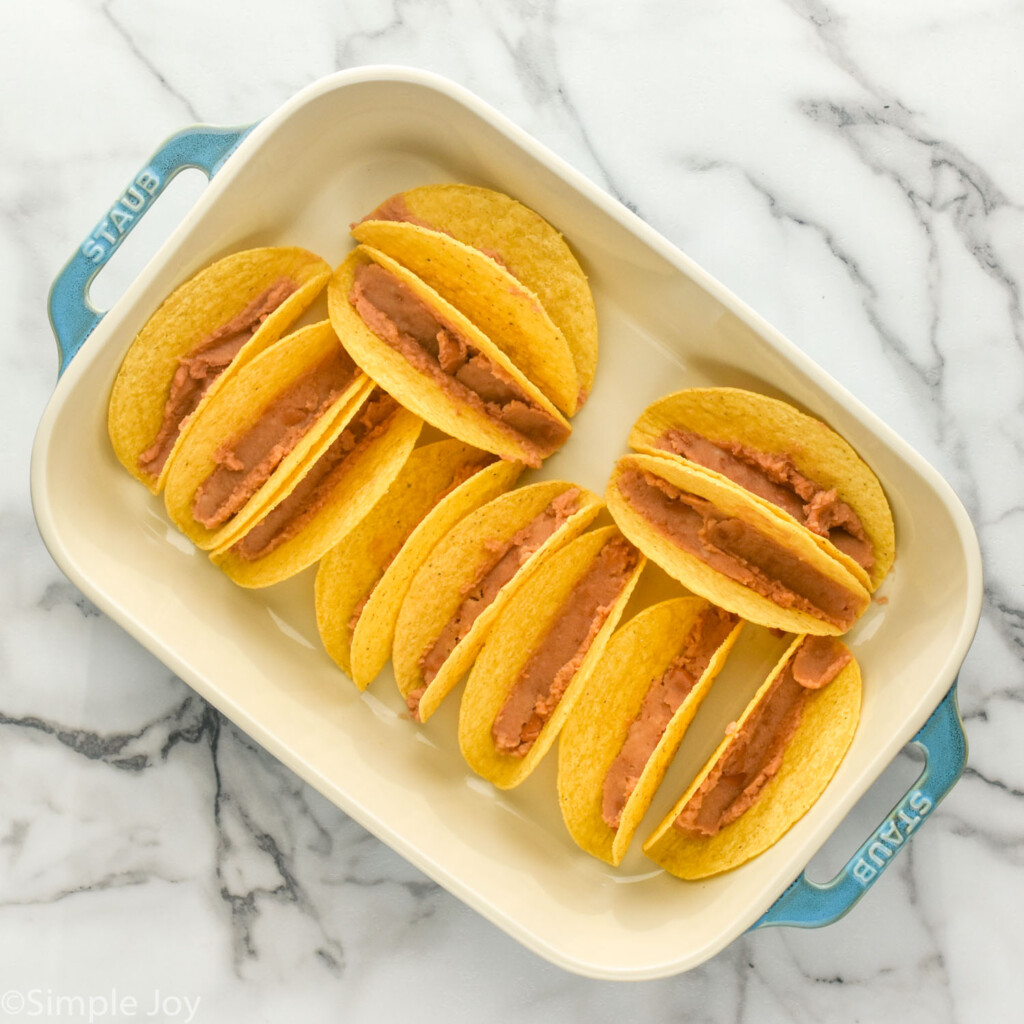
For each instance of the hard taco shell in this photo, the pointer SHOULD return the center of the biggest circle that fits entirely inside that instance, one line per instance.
(635, 658)
(405, 525)
(502, 307)
(441, 583)
(700, 577)
(814, 753)
(183, 322)
(526, 245)
(235, 408)
(769, 425)
(415, 390)
(369, 472)
(521, 627)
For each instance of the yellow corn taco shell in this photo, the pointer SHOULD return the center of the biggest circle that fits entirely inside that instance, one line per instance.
(637, 656)
(374, 564)
(699, 577)
(502, 307)
(776, 428)
(369, 471)
(455, 565)
(186, 319)
(417, 391)
(525, 244)
(237, 407)
(810, 760)
(522, 626)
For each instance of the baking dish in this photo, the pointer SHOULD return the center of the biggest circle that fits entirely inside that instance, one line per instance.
(299, 177)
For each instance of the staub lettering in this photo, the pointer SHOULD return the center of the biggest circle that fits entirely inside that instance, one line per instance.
(891, 835)
(108, 232)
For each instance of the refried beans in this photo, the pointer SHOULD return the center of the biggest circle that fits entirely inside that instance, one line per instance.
(401, 319)
(662, 700)
(245, 463)
(755, 754)
(555, 661)
(507, 558)
(736, 549)
(198, 369)
(774, 477)
(307, 497)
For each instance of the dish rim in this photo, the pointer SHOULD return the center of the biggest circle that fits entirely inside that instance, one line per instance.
(647, 235)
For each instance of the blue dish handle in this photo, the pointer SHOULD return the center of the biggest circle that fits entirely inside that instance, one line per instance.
(72, 315)
(807, 904)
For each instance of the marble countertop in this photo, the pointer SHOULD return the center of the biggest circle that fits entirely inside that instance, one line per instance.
(850, 169)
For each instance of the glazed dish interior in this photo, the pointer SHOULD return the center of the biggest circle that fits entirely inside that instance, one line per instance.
(321, 162)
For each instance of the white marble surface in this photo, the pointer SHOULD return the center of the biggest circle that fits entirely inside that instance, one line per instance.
(851, 169)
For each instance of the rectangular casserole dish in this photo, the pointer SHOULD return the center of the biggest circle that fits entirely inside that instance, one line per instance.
(299, 178)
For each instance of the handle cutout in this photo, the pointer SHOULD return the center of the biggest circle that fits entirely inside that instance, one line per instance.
(886, 791)
(72, 314)
(808, 904)
(147, 236)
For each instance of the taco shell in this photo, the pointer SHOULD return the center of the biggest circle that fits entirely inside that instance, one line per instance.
(185, 320)
(771, 426)
(236, 408)
(370, 469)
(523, 625)
(637, 656)
(810, 760)
(502, 307)
(523, 243)
(716, 587)
(453, 568)
(403, 527)
(417, 391)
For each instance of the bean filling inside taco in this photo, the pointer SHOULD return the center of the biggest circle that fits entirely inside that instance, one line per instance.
(660, 703)
(401, 319)
(774, 477)
(756, 751)
(461, 475)
(198, 369)
(507, 558)
(309, 494)
(738, 550)
(555, 661)
(245, 463)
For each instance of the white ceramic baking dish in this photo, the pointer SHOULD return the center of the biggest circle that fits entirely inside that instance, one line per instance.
(299, 177)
